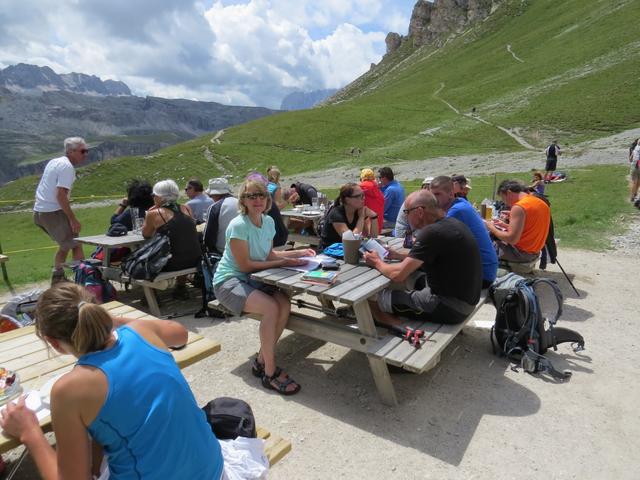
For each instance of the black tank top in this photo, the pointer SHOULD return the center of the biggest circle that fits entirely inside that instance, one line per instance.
(185, 245)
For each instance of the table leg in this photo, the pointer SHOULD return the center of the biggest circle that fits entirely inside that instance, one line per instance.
(152, 300)
(106, 259)
(378, 366)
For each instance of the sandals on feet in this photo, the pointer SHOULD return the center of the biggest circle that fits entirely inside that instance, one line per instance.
(273, 383)
(257, 369)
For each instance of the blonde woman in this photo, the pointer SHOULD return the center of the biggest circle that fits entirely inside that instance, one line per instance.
(275, 190)
(248, 249)
(126, 393)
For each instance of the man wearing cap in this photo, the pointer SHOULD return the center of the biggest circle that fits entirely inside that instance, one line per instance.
(198, 202)
(52, 210)
(222, 211)
(461, 186)
(393, 196)
(442, 189)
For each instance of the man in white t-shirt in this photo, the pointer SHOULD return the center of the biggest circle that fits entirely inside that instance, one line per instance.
(52, 209)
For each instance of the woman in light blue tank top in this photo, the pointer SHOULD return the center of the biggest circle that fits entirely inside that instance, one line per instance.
(126, 391)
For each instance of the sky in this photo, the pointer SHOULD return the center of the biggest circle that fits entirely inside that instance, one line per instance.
(236, 52)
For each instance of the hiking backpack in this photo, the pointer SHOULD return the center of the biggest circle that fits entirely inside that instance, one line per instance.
(524, 328)
(147, 262)
(90, 278)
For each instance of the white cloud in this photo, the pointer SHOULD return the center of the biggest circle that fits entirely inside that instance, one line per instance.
(250, 52)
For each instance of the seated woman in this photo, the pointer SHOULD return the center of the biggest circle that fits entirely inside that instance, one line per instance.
(537, 185)
(139, 195)
(249, 248)
(126, 394)
(174, 220)
(348, 213)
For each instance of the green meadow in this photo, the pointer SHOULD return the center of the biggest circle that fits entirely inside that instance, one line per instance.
(587, 209)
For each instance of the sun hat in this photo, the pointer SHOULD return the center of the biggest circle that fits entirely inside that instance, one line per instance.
(428, 180)
(367, 174)
(218, 186)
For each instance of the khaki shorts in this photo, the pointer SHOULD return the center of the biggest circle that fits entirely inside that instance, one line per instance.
(634, 172)
(56, 225)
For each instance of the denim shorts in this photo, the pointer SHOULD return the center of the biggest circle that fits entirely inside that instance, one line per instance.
(233, 292)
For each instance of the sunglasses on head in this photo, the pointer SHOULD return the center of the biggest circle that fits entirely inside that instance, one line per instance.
(253, 196)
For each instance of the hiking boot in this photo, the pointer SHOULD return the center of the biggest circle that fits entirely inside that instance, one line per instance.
(58, 276)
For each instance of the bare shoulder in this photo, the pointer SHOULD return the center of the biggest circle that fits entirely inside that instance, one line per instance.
(79, 385)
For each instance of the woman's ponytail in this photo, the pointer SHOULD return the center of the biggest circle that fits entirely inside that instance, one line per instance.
(93, 329)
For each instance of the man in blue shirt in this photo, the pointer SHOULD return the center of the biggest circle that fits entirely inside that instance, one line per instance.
(393, 196)
(198, 202)
(461, 209)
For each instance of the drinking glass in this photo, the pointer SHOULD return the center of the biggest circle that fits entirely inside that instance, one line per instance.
(314, 203)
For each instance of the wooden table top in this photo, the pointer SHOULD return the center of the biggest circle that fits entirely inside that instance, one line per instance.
(22, 351)
(105, 241)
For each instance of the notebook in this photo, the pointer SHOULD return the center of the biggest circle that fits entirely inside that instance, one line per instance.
(323, 277)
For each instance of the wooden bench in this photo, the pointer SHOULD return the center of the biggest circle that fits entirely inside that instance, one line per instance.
(395, 351)
(275, 447)
(163, 281)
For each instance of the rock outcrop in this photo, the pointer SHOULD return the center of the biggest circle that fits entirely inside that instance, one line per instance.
(393, 41)
(431, 23)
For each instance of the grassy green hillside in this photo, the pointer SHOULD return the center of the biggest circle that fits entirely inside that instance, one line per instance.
(573, 74)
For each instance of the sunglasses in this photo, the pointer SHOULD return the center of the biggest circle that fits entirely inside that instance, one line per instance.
(359, 195)
(84, 151)
(407, 211)
(186, 189)
(254, 196)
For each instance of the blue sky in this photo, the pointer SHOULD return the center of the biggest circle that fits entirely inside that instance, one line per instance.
(250, 52)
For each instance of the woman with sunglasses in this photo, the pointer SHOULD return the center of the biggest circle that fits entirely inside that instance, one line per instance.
(249, 249)
(125, 393)
(348, 213)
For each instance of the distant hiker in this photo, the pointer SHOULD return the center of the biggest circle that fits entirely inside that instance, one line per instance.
(461, 186)
(355, 151)
(373, 197)
(198, 202)
(52, 210)
(552, 152)
(393, 196)
(634, 172)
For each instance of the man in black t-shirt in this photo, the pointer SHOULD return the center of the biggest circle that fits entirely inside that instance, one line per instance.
(447, 252)
(305, 193)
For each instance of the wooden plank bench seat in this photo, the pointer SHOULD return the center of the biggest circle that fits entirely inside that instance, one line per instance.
(395, 351)
(275, 447)
(163, 281)
(4, 258)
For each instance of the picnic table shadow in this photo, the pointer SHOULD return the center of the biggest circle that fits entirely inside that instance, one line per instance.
(438, 411)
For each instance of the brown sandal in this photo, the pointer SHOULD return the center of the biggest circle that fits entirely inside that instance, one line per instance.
(272, 383)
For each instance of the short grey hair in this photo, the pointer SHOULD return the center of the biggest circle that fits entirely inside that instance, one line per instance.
(73, 143)
(167, 190)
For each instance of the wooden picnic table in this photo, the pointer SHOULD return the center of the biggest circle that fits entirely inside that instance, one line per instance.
(22, 351)
(355, 285)
(315, 216)
(107, 243)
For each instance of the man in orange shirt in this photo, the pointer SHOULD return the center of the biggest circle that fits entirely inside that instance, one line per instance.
(521, 240)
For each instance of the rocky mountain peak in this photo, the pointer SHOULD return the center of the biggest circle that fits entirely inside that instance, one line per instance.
(25, 78)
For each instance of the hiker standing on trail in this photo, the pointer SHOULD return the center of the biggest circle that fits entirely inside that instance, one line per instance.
(52, 209)
(552, 152)
(634, 172)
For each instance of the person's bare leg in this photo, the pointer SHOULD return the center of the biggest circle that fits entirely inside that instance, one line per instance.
(77, 252)
(284, 310)
(269, 308)
(60, 257)
(383, 317)
(633, 189)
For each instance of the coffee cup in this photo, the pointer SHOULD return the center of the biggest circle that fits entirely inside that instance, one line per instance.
(351, 251)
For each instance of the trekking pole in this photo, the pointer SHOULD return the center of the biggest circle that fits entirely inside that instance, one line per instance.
(493, 189)
(568, 279)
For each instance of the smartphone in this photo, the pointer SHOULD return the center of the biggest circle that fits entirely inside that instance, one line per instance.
(330, 266)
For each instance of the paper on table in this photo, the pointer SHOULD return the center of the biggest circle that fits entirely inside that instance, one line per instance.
(33, 401)
(313, 263)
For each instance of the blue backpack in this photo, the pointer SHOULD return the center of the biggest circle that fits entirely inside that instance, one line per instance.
(91, 279)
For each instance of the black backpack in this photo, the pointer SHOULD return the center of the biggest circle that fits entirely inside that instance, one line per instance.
(523, 331)
(147, 262)
(230, 418)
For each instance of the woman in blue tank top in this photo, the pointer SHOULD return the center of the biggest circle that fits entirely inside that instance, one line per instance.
(126, 391)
